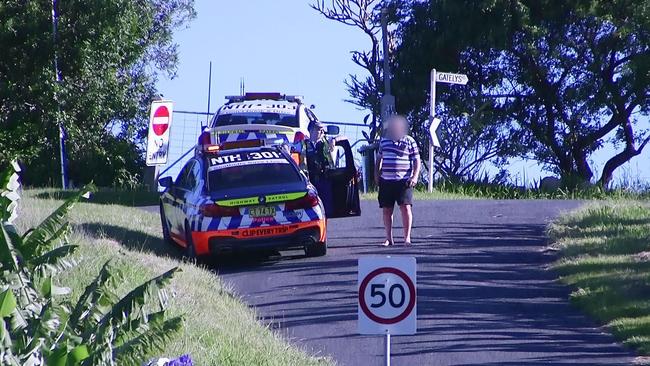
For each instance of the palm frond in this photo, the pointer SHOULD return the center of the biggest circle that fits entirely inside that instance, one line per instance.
(8, 256)
(152, 340)
(95, 300)
(54, 261)
(134, 327)
(130, 303)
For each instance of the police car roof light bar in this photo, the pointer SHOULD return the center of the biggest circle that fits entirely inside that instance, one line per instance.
(270, 96)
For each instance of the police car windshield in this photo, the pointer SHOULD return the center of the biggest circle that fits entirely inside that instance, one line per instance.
(249, 170)
(257, 118)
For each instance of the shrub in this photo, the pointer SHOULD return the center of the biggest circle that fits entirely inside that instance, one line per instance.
(40, 326)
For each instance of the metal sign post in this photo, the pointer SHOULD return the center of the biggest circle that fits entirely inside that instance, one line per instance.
(432, 115)
(387, 351)
(438, 77)
(387, 297)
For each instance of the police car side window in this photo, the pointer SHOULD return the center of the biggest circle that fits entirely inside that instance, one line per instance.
(185, 177)
(194, 176)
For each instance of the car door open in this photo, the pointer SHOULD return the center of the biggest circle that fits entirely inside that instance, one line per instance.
(344, 183)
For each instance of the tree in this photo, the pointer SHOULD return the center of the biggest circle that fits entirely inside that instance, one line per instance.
(364, 92)
(563, 78)
(110, 54)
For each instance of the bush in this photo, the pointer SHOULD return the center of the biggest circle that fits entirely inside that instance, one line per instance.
(39, 325)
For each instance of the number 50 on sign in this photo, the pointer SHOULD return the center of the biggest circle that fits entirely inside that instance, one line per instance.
(387, 295)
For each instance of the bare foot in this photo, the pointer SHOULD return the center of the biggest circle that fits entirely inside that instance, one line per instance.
(407, 243)
(387, 243)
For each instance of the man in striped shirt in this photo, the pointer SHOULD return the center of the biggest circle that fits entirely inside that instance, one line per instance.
(396, 173)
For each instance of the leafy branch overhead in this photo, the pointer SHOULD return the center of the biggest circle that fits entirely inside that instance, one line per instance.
(38, 325)
(110, 54)
(563, 79)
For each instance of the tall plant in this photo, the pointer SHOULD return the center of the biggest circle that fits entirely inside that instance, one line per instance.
(40, 327)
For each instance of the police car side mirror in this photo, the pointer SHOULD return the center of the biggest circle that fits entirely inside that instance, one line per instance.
(333, 130)
(166, 182)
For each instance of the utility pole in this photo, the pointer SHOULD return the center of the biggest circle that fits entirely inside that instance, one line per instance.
(57, 73)
(387, 100)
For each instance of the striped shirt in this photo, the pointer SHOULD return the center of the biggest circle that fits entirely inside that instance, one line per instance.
(398, 158)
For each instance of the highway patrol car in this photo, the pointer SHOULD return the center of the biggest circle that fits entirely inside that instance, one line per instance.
(263, 116)
(250, 195)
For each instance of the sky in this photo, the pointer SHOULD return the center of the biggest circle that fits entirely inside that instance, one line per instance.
(285, 46)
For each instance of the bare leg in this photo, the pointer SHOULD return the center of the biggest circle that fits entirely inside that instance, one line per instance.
(407, 222)
(388, 224)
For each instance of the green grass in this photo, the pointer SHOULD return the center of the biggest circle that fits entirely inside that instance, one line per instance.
(104, 196)
(219, 328)
(482, 190)
(605, 257)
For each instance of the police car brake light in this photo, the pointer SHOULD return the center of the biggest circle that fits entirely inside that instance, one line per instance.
(307, 201)
(214, 210)
(211, 148)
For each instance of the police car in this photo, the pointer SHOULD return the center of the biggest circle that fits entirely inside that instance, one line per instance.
(248, 195)
(263, 116)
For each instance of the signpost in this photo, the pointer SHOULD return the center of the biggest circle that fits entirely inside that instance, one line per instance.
(387, 297)
(160, 121)
(439, 77)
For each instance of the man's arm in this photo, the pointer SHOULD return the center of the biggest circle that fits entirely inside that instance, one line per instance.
(417, 164)
(413, 181)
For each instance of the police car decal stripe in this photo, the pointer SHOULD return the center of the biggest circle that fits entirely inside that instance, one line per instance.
(214, 223)
(312, 214)
(291, 216)
(235, 222)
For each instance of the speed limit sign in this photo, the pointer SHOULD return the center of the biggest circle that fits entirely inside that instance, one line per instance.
(387, 295)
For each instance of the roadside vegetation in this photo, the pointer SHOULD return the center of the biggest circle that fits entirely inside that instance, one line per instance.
(487, 190)
(605, 256)
(217, 328)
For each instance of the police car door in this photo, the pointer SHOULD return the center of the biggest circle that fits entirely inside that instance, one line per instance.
(184, 184)
(345, 185)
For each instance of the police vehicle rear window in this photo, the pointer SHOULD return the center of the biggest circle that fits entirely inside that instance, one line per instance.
(257, 118)
(250, 169)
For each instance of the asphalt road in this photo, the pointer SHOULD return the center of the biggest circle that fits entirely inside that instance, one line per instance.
(485, 295)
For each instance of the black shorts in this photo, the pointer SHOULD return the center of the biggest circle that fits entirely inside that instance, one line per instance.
(394, 191)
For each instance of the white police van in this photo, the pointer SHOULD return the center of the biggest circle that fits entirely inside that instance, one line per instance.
(263, 116)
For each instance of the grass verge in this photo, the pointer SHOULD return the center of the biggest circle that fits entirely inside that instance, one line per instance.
(219, 328)
(605, 257)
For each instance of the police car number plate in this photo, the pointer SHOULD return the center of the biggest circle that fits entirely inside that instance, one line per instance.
(262, 211)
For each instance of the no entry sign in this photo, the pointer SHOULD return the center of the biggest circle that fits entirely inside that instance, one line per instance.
(387, 295)
(160, 121)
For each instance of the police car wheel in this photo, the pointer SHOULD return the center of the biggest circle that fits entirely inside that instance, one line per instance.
(165, 226)
(316, 249)
(190, 252)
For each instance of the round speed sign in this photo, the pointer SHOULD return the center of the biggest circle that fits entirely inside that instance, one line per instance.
(387, 295)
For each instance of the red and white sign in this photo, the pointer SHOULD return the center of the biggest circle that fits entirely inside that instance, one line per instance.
(160, 121)
(387, 295)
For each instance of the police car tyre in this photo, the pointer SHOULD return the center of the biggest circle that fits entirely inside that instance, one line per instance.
(190, 251)
(316, 249)
(167, 238)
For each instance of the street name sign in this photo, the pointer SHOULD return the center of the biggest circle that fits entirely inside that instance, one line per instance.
(451, 78)
(160, 121)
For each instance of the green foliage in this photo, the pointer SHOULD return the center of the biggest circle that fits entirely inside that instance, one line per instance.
(109, 56)
(559, 80)
(39, 325)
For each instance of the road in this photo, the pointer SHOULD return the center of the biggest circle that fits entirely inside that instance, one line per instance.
(485, 296)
